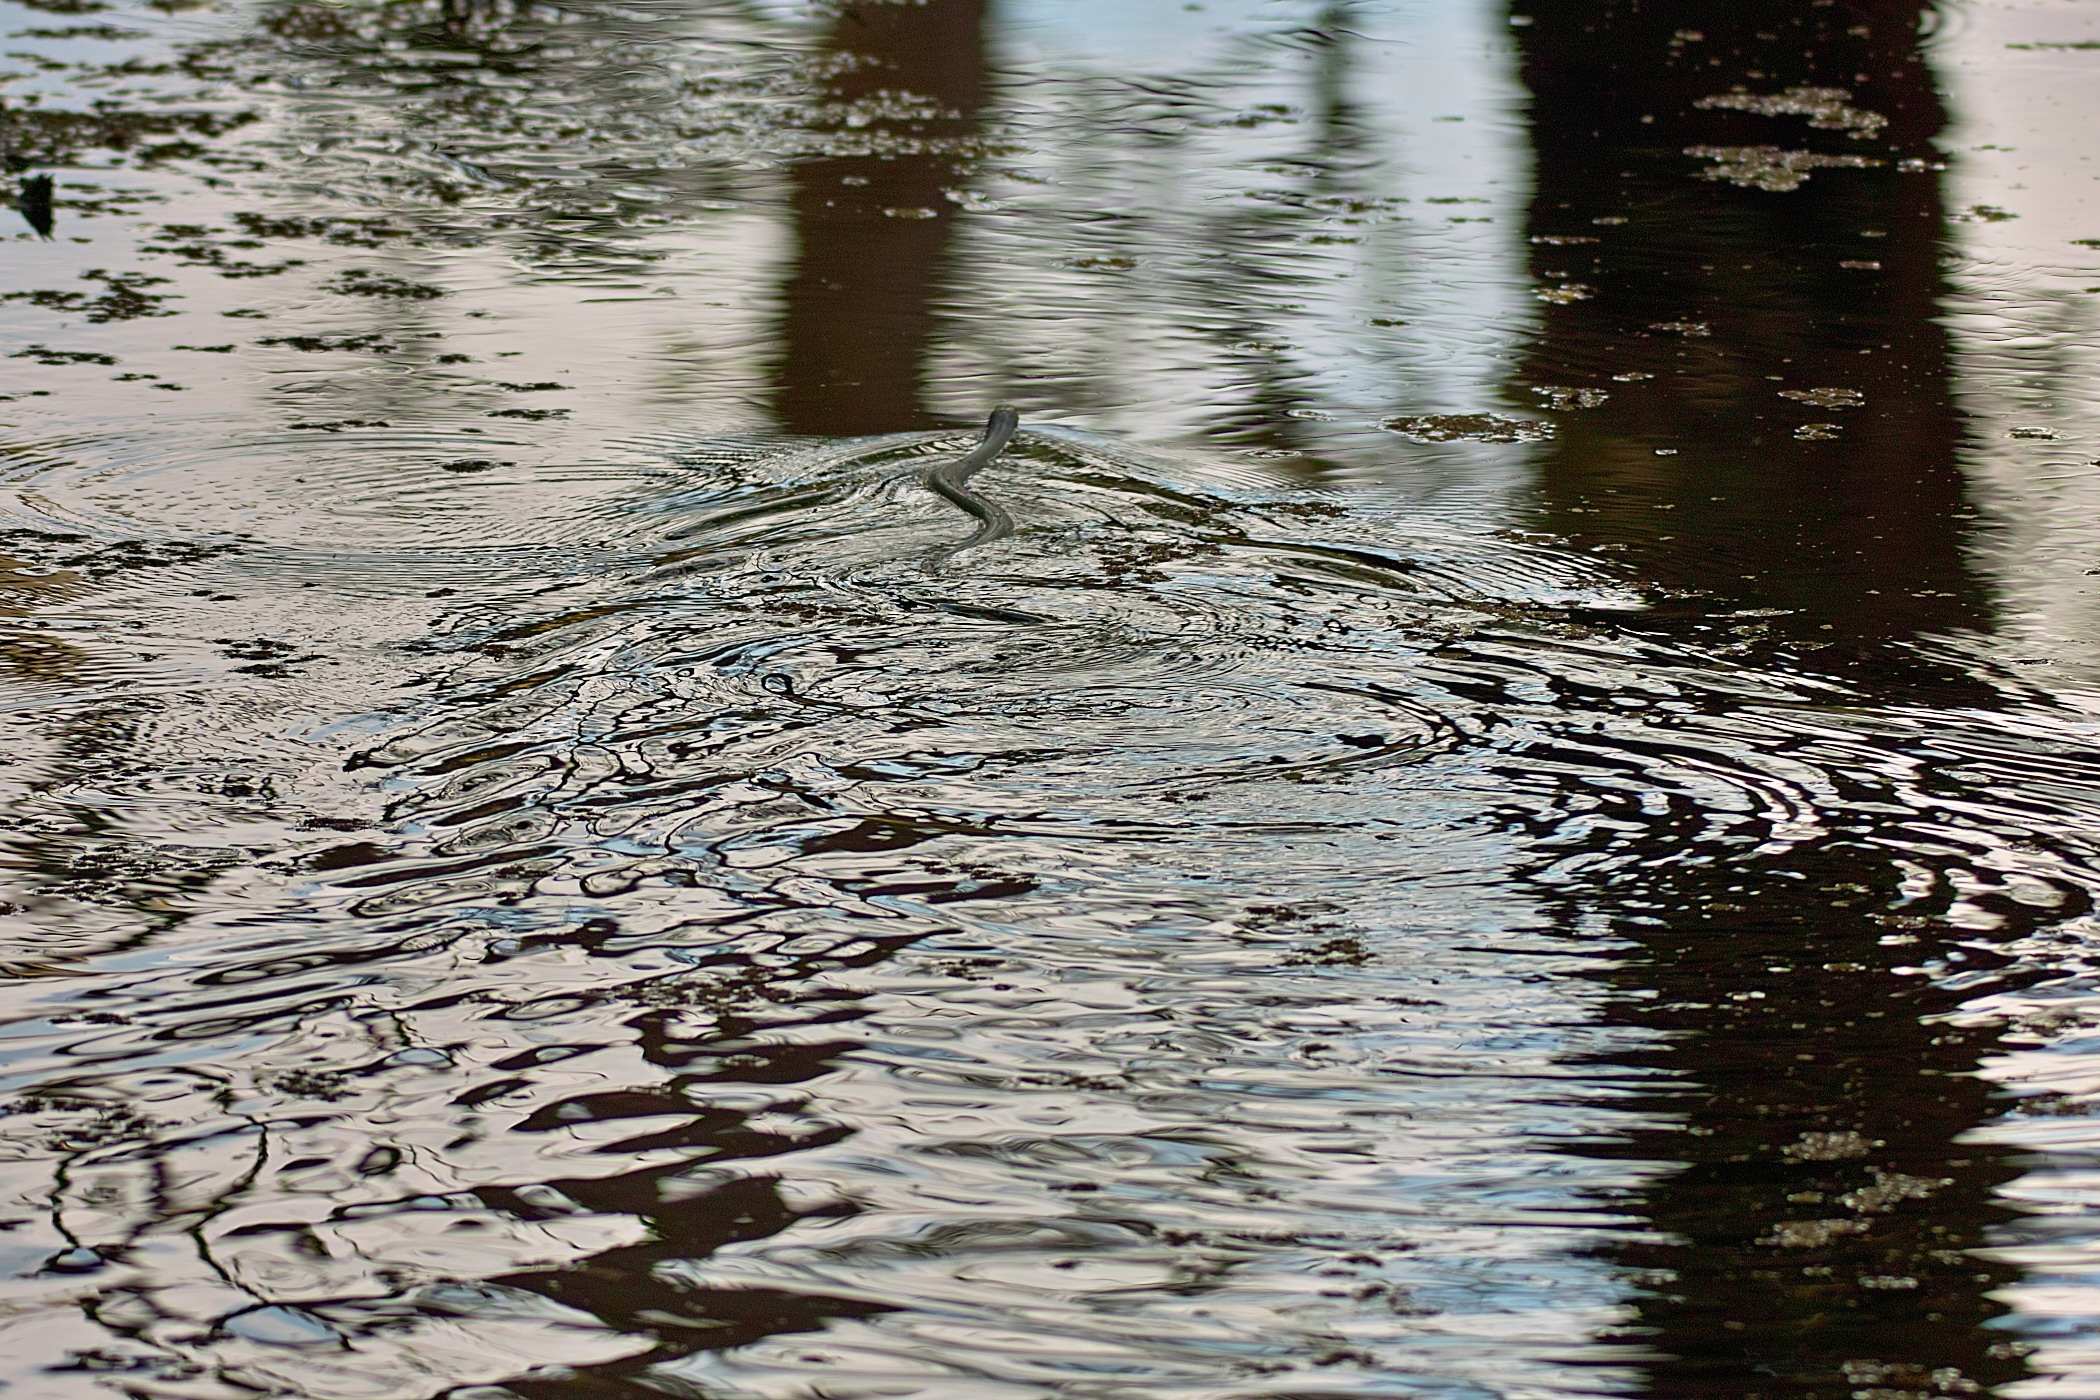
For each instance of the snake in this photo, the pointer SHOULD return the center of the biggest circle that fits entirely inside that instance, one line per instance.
(951, 480)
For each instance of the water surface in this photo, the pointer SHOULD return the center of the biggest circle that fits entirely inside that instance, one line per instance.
(1517, 819)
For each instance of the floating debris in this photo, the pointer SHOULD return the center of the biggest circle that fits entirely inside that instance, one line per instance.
(1891, 1189)
(1771, 167)
(1827, 108)
(362, 282)
(1829, 1147)
(1811, 1234)
(1469, 427)
(1825, 398)
(1561, 397)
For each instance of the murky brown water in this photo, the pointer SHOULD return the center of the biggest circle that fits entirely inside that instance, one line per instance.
(1520, 818)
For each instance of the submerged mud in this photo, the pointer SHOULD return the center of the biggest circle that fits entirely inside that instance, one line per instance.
(1515, 818)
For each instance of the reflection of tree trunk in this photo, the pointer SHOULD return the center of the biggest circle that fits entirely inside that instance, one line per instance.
(1731, 296)
(861, 301)
(1814, 1233)
(634, 1289)
(1814, 1239)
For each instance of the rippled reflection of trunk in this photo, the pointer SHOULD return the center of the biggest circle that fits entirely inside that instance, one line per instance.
(1242, 300)
(876, 222)
(861, 311)
(1815, 1238)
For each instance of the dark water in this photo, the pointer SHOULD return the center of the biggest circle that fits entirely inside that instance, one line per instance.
(1518, 819)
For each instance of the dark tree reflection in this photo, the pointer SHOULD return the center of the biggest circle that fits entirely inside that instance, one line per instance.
(1739, 224)
(1784, 306)
(862, 301)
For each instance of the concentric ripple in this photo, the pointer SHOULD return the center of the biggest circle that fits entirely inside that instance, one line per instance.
(729, 948)
(1515, 819)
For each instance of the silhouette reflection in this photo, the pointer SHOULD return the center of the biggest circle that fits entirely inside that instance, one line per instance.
(861, 313)
(1777, 380)
(1738, 224)
(863, 299)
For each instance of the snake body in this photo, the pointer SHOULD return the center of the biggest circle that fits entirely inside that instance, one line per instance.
(951, 480)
